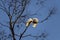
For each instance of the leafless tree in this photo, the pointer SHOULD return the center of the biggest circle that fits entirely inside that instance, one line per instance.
(14, 9)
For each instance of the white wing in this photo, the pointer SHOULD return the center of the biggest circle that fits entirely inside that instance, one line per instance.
(29, 21)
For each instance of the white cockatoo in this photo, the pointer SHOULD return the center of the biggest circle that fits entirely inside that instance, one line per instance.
(35, 22)
(30, 20)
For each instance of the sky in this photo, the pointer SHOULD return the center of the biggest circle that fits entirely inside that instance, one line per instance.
(50, 26)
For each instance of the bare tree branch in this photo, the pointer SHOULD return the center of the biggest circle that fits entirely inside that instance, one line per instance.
(23, 33)
(21, 11)
(3, 25)
(4, 8)
(49, 15)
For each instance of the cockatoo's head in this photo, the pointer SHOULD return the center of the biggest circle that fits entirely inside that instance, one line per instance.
(30, 20)
(35, 21)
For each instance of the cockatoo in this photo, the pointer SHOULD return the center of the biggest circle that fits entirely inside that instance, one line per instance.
(35, 21)
(30, 20)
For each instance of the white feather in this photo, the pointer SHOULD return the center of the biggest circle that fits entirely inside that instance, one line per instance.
(29, 22)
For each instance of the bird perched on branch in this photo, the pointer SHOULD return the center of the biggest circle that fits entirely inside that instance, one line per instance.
(34, 21)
